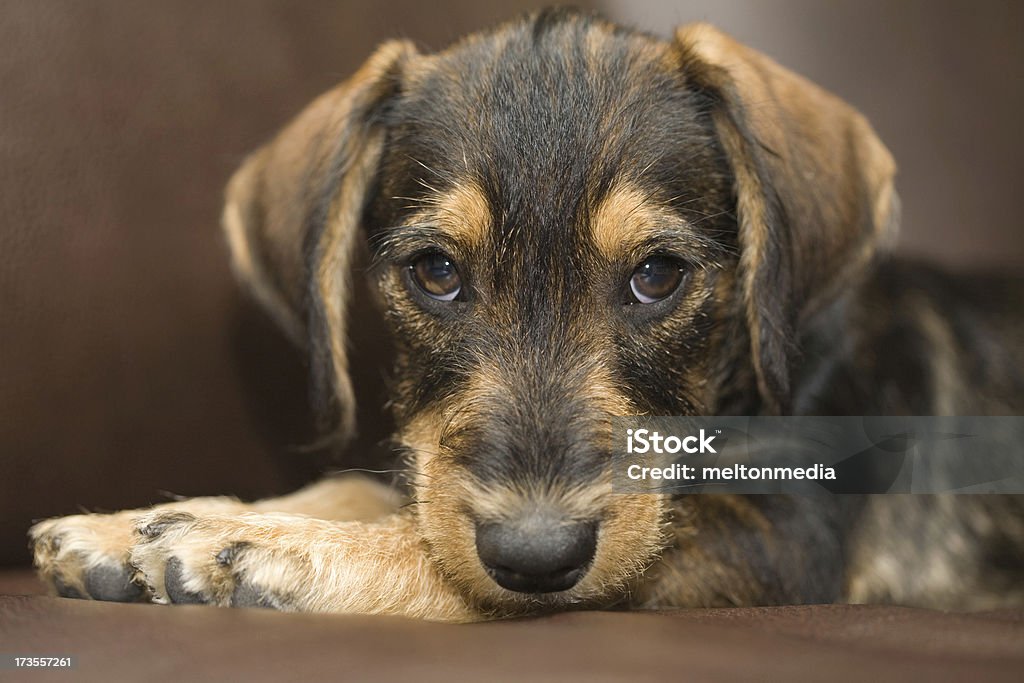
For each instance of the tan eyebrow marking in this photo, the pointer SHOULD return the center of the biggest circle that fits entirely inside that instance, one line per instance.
(625, 218)
(464, 214)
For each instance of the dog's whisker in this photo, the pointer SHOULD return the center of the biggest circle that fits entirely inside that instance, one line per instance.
(424, 183)
(335, 472)
(425, 166)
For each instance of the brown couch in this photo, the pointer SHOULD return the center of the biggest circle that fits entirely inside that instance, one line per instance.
(132, 366)
(193, 643)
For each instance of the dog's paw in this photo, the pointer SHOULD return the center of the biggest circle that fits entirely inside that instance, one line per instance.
(225, 560)
(87, 556)
(292, 562)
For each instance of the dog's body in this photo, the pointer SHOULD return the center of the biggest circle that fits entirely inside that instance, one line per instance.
(570, 221)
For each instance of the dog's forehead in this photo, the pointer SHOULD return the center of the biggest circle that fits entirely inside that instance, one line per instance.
(532, 126)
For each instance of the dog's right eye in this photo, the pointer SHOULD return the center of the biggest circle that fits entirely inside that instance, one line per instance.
(436, 274)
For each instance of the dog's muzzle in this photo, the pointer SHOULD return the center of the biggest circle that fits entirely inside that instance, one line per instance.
(540, 552)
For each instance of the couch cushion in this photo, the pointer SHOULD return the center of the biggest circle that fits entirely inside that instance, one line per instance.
(836, 643)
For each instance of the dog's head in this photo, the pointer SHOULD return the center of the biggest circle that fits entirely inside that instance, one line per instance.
(568, 221)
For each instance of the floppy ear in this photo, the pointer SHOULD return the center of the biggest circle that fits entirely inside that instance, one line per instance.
(813, 188)
(292, 216)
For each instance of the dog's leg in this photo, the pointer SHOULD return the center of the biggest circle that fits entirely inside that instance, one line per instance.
(340, 499)
(730, 550)
(87, 556)
(294, 563)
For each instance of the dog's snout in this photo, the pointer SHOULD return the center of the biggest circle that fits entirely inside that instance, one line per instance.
(537, 553)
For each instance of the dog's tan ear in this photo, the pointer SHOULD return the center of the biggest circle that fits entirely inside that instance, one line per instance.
(292, 216)
(813, 187)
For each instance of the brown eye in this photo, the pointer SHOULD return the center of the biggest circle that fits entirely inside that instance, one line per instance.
(437, 276)
(655, 279)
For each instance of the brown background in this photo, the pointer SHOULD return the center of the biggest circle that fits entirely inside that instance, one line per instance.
(130, 364)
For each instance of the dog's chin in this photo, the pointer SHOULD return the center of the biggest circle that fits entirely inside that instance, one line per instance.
(510, 603)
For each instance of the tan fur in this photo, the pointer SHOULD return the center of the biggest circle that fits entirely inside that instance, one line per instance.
(309, 565)
(421, 438)
(462, 213)
(626, 217)
(66, 547)
(830, 172)
(348, 498)
(754, 232)
(945, 362)
(332, 273)
(621, 215)
(703, 566)
(271, 198)
(830, 168)
(247, 265)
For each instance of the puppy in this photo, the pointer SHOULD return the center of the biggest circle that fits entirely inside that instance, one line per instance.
(570, 221)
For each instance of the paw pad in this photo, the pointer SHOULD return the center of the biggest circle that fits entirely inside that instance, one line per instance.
(66, 591)
(113, 584)
(247, 595)
(174, 585)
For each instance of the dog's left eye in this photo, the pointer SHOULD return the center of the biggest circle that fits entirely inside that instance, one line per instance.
(436, 274)
(656, 278)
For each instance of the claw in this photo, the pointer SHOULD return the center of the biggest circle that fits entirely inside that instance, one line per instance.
(162, 522)
(227, 556)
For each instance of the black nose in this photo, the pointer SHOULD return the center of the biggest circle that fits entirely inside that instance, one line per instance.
(536, 554)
